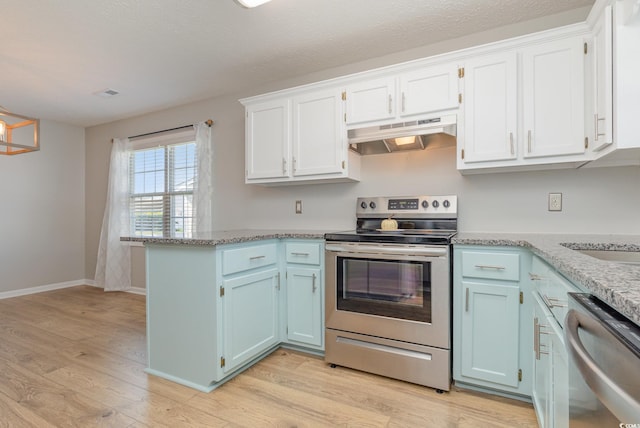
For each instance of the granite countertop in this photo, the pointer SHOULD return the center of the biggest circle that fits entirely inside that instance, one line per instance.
(230, 237)
(615, 283)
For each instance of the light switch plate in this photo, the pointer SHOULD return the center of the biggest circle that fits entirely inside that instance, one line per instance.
(555, 201)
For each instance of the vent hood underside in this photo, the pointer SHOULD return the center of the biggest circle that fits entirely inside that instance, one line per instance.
(403, 136)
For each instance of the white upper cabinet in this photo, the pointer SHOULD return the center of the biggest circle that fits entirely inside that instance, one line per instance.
(422, 91)
(553, 98)
(490, 108)
(371, 100)
(298, 138)
(602, 74)
(318, 133)
(268, 136)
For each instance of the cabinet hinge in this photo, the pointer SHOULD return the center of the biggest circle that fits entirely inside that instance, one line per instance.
(521, 297)
(586, 142)
(461, 72)
(519, 375)
(222, 361)
(459, 98)
(221, 291)
(344, 95)
(462, 153)
(585, 48)
(344, 165)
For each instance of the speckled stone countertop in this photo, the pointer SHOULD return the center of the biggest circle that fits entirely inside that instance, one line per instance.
(615, 283)
(231, 237)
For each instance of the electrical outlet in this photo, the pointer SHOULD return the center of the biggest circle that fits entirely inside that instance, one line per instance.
(555, 201)
(298, 207)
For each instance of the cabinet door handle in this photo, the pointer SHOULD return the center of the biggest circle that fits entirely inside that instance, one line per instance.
(534, 277)
(300, 254)
(552, 302)
(313, 283)
(278, 286)
(284, 166)
(511, 143)
(466, 300)
(256, 257)
(596, 119)
(294, 164)
(403, 101)
(536, 338)
(490, 267)
(390, 104)
(529, 141)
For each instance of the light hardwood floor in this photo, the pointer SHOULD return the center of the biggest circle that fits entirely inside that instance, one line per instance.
(75, 358)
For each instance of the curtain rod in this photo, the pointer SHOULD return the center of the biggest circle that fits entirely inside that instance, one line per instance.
(208, 122)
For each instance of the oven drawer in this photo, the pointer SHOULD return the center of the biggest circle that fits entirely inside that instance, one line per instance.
(419, 364)
(491, 265)
(303, 253)
(246, 258)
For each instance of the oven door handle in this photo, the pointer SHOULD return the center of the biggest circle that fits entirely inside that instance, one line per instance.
(367, 249)
(623, 406)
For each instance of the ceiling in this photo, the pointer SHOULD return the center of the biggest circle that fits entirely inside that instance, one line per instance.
(158, 54)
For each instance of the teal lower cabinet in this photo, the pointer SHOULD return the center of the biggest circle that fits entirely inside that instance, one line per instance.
(213, 311)
(491, 334)
(305, 294)
(250, 307)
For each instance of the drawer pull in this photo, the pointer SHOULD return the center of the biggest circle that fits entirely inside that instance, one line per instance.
(490, 267)
(535, 277)
(553, 303)
(256, 257)
(300, 254)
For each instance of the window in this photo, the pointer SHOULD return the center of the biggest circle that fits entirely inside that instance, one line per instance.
(162, 180)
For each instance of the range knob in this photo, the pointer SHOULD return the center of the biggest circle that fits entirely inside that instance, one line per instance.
(425, 204)
(446, 203)
(372, 205)
(363, 205)
(435, 204)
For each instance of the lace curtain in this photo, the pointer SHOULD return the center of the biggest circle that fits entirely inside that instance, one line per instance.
(113, 268)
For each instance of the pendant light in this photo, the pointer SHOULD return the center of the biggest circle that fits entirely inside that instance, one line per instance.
(18, 134)
(251, 3)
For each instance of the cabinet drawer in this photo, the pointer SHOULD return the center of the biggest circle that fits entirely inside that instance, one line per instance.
(552, 288)
(303, 253)
(241, 259)
(491, 265)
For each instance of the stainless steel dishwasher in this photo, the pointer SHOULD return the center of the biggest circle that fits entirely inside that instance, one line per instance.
(604, 365)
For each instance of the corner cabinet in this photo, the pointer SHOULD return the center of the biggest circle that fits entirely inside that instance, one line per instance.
(491, 344)
(305, 293)
(297, 137)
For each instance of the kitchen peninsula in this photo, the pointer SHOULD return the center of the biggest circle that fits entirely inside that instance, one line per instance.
(220, 301)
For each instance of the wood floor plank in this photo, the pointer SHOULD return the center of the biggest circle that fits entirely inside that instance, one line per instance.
(76, 357)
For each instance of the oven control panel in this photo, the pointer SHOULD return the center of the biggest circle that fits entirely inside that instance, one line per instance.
(408, 206)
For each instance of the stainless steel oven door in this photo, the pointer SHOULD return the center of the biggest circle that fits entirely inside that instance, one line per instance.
(399, 292)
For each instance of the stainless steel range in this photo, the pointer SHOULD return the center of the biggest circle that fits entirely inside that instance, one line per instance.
(388, 292)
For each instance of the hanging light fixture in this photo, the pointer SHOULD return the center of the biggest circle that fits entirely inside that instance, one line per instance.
(251, 3)
(18, 134)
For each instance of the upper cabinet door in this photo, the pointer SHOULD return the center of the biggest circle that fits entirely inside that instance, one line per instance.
(553, 98)
(318, 133)
(490, 108)
(602, 134)
(268, 139)
(429, 90)
(371, 100)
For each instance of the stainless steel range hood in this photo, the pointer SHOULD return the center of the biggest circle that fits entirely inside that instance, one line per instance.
(403, 136)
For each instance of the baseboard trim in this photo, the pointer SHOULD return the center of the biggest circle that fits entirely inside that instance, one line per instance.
(60, 285)
(41, 288)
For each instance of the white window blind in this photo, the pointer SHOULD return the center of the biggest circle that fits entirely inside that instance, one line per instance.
(162, 179)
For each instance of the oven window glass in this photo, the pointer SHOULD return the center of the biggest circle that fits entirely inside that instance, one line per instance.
(391, 288)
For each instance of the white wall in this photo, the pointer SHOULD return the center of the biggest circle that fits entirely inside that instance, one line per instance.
(42, 216)
(604, 200)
